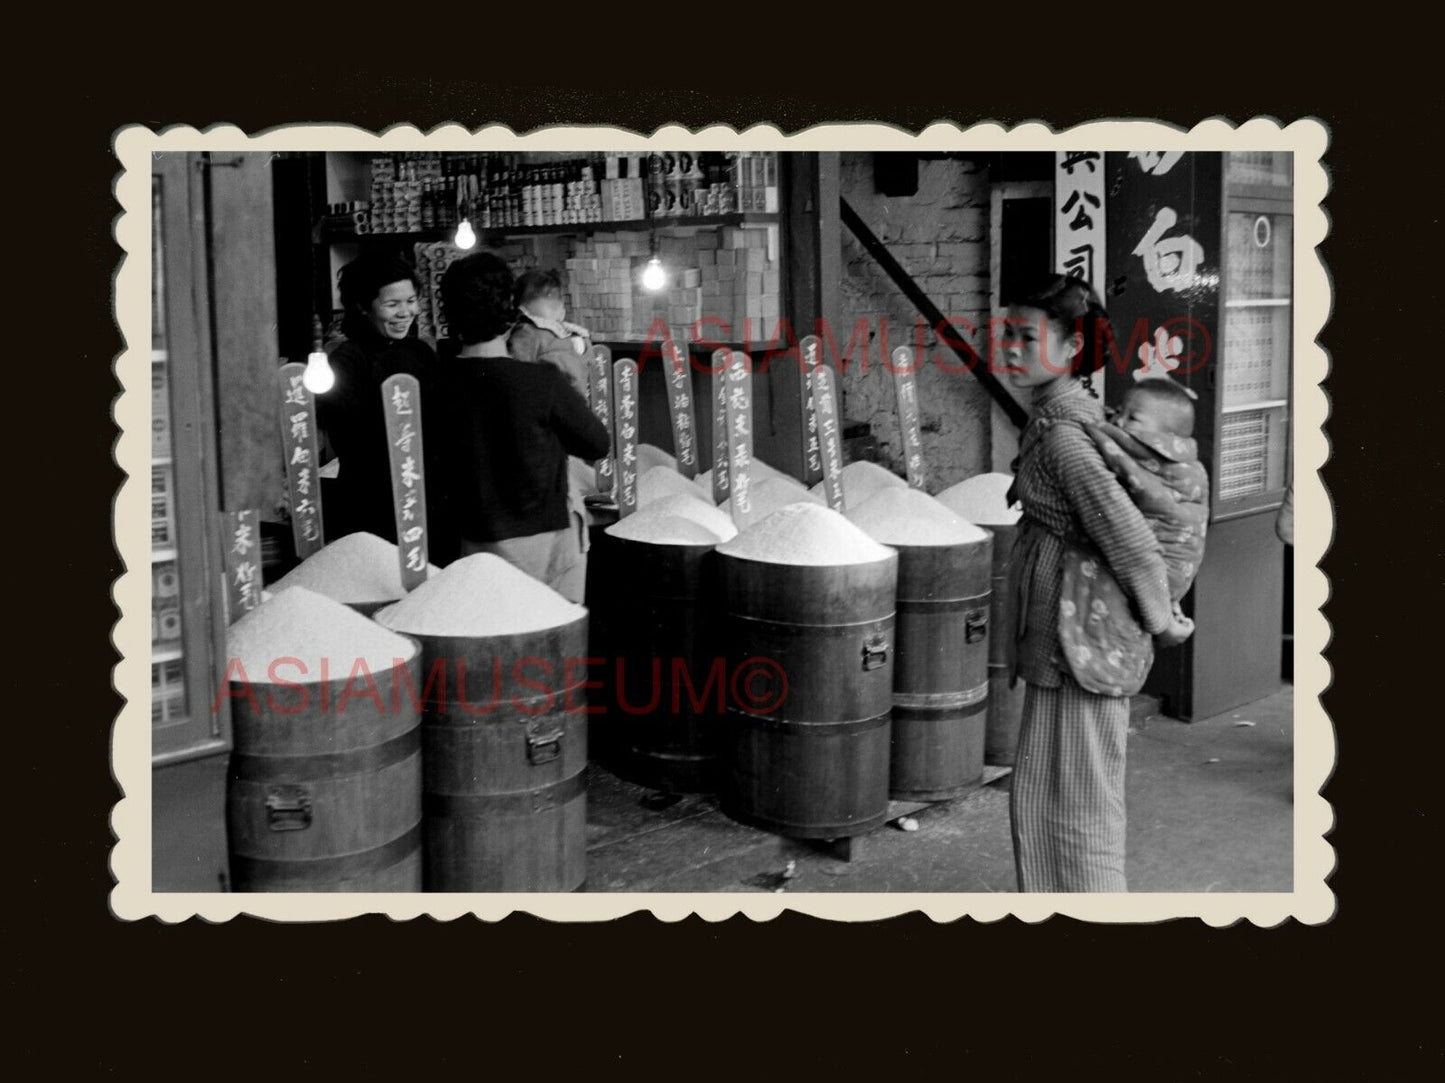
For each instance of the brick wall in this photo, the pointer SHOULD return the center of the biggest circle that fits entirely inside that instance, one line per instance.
(941, 237)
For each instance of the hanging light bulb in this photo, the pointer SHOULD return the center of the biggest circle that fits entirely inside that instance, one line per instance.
(466, 237)
(318, 377)
(654, 277)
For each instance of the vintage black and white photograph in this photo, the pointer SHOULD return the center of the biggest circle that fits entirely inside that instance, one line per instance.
(723, 522)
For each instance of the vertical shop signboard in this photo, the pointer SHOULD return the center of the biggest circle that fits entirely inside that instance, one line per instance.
(680, 408)
(1164, 263)
(831, 437)
(1079, 233)
(721, 360)
(739, 429)
(600, 382)
(808, 353)
(905, 385)
(298, 443)
(242, 562)
(624, 390)
(401, 407)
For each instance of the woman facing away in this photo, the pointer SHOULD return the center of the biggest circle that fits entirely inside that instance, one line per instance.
(1090, 585)
(511, 425)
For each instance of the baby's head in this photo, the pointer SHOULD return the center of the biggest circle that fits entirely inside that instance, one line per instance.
(1157, 405)
(539, 293)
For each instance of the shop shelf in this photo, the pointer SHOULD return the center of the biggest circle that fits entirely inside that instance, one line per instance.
(754, 218)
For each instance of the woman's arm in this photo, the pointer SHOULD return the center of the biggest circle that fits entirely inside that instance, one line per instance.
(581, 433)
(1112, 523)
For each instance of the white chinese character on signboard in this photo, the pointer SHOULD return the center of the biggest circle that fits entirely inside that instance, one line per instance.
(1160, 357)
(1170, 263)
(629, 453)
(740, 424)
(400, 401)
(300, 455)
(405, 437)
(295, 394)
(412, 534)
(413, 559)
(303, 480)
(300, 430)
(1156, 162)
(243, 541)
(409, 476)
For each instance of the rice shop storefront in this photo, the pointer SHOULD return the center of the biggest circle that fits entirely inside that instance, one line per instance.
(668, 547)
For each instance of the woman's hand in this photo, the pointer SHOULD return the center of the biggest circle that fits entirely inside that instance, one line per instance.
(1180, 628)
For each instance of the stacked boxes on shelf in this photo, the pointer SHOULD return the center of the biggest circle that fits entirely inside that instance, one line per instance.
(730, 277)
(396, 192)
(601, 280)
(740, 281)
(432, 260)
(753, 175)
(624, 188)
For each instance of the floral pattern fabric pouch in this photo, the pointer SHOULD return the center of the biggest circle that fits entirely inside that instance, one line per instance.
(1103, 645)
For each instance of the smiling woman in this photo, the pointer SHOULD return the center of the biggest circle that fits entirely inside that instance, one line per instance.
(379, 295)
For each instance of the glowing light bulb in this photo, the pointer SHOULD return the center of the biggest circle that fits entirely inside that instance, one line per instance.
(466, 237)
(318, 377)
(653, 275)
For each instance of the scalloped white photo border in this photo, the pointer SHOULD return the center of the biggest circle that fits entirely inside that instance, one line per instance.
(1311, 901)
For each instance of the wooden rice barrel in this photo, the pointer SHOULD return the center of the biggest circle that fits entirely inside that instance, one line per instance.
(940, 672)
(810, 689)
(504, 750)
(324, 791)
(1005, 704)
(663, 715)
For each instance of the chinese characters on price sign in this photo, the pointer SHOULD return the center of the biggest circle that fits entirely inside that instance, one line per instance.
(242, 560)
(679, 409)
(720, 483)
(906, 387)
(738, 411)
(600, 385)
(624, 387)
(298, 442)
(401, 406)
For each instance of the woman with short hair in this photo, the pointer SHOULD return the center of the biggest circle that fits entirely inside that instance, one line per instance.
(511, 426)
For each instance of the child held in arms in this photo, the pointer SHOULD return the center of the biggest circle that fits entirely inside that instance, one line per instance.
(1150, 447)
(542, 332)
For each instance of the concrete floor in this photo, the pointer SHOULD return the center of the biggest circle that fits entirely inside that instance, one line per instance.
(1210, 809)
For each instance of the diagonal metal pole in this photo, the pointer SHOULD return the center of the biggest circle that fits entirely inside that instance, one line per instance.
(904, 281)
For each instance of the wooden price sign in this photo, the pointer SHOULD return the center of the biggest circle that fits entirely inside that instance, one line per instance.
(599, 372)
(401, 406)
(298, 442)
(808, 352)
(739, 414)
(679, 407)
(828, 430)
(905, 385)
(242, 561)
(624, 390)
(720, 361)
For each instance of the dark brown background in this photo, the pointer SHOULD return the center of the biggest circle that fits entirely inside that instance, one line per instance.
(1180, 998)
